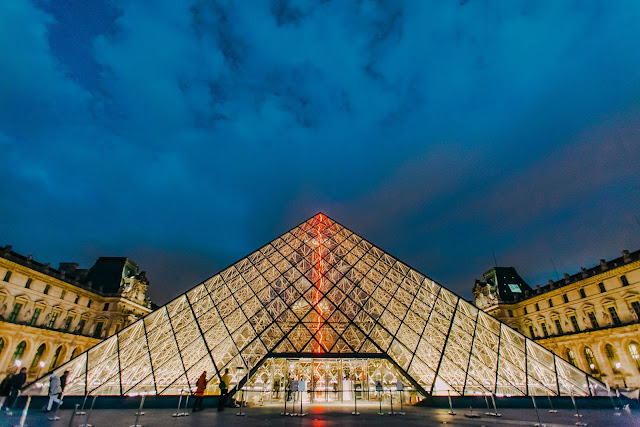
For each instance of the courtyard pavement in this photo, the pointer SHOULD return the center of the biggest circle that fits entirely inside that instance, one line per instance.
(326, 415)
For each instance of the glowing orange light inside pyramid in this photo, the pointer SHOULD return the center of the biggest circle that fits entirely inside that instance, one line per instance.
(318, 284)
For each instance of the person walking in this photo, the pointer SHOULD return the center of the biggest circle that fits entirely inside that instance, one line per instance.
(276, 386)
(55, 392)
(5, 387)
(63, 380)
(224, 389)
(15, 385)
(201, 385)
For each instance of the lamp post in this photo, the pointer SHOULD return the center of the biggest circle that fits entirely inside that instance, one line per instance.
(624, 379)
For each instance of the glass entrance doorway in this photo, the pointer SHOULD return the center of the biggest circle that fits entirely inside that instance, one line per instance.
(327, 380)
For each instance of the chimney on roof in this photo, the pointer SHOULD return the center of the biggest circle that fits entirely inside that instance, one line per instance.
(537, 289)
(68, 267)
(584, 272)
(550, 282)
(8, 249)
(46, 266)
(29, 258)
(626, 256)
(567, 278)
(603, 265)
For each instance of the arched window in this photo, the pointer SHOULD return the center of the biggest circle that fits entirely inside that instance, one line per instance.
(76, 351)
(591, 361)
(1, 345)
(17, 355)
(56, 357)
(571, 358)
(634, 351)
(38, 356)
(613, 358)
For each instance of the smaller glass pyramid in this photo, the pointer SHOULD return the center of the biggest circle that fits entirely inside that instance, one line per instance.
(317, 290)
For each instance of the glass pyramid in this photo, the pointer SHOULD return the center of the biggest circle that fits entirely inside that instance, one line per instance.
(321, 289)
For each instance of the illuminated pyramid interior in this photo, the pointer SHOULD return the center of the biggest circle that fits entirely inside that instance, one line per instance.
(320, 291)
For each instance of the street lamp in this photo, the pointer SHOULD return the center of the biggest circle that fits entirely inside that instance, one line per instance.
(624, 380)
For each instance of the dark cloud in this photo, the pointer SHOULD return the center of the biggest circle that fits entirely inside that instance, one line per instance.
(187, 134)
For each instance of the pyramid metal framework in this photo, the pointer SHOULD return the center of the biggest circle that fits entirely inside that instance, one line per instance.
(321, 290)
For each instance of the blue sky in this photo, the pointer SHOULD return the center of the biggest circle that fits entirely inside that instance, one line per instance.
(186, 134)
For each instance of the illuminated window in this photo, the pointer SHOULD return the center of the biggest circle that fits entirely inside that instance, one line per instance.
(17, 355)
(14, 312)
(613, 358)
(591, 360)
(635, 353)
(572, 358)
(34, 318)
(38, 356)
(623, 279)
(594, 321)
(574, 322)
(602, 288)
(52, 319)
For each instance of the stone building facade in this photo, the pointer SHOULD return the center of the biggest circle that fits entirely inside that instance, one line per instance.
(48, 316)
(591, 319)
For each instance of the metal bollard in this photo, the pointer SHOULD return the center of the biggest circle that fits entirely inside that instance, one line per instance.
(139, 412)
(186, 404)
(539, 424)
(495, 408)
(552, 410)
(82, 412)
(355, 405)
(86, 420)
(451, 411)
(391, 402)
(73, 415)
(178, 414)
(24, 412)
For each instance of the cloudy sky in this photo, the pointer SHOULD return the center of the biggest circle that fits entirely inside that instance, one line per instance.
(186, 134)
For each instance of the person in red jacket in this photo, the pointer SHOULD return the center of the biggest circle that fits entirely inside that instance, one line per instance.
(202, 384)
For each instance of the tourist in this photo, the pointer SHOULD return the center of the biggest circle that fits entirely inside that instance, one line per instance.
(63, 380)
(5, 387)
(276, 386)
(16, 384)
(201, 385)
(224, 388)
(55, 392)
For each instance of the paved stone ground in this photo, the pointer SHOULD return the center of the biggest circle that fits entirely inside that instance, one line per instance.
(326, 415)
